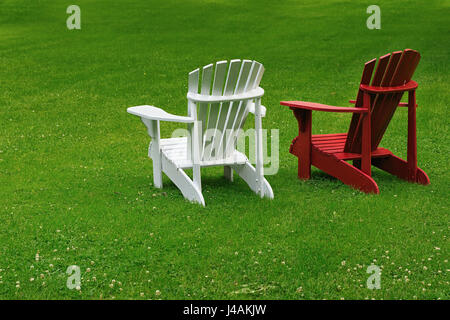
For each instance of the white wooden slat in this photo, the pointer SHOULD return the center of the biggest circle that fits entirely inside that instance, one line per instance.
(259, 76)
(230, 86)
(192, 87)
(193, 81)
(217, 89)
(253, 74)
(205, 90)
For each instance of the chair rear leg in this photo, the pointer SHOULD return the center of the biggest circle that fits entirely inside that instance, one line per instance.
(228, 173)
(249, 174)
(401, 169)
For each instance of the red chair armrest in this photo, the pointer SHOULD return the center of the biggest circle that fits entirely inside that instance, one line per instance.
(320, 107)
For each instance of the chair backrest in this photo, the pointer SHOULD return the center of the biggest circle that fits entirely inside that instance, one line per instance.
(392, 70)
(221, 121)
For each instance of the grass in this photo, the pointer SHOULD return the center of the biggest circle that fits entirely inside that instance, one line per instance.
(75, 181)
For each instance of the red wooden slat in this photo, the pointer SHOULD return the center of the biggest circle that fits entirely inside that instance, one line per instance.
(332, 150)
(328, 136)
(379, 153)
(365, 79)
(329, 139)
(329, 143)
(380, 70)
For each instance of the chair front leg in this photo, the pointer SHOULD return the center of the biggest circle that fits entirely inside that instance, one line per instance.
(155, 152)
(304, 119)
(366, 147)
(259, 149)
(412, 137)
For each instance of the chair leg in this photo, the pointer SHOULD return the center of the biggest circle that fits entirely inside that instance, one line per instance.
(196, 155)
(228, 173)
(157, 172)
(249, 174)
(366, 157)
(412, 137)
(187, 187)
(406, 170)
(401, 169)
(154, 150)
(301, 146)
(259, 149)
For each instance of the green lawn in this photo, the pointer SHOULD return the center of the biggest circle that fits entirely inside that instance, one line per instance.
(76, 183)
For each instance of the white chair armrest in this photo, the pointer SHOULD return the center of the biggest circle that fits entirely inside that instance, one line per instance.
(154, 113)
(251, 109)
(252, 94)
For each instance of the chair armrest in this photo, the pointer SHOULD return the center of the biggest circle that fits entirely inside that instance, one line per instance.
(252, 94)
(251, 109)
(401, 104)
(154, 113)
(410, 85)
(320, 107)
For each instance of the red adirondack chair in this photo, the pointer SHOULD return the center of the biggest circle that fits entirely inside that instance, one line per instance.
(375, 105)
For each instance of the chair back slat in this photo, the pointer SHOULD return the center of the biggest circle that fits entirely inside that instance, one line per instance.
(205, 89)
(381, 69)
(365, 79)
(193, 81)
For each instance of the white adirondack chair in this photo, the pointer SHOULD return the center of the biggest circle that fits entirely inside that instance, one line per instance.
(217, 110)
